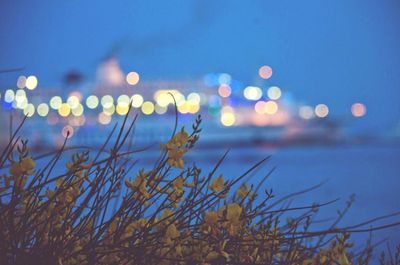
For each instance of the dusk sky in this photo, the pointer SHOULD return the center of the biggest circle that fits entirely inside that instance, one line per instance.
(333, 52)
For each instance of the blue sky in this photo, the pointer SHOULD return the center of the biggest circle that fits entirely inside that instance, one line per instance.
(336, 52)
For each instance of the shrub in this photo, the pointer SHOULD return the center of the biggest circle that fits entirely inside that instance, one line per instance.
(97, 212)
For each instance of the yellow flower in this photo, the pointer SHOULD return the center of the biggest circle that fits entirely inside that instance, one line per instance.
(25, 166)
(242, 191)
(218, 184)
(176, 149)
(233, 213)
(211, 218)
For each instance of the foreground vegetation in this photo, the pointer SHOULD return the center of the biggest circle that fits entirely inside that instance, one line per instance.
(98, 211)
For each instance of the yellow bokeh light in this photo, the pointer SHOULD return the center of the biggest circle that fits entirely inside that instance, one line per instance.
(265, 72)
(64, 110)
(21, 81)
(271, 107)
(358, 109)
(78, 110)
(132, 78)
(184, 108)
(31, 82)
(252, 93)
(137, 101)
(29, 110)
(147, 107)
(228, 118)
(274, 92)
(321, 110)
(73, 101)
(55, 102)
(194, 108)
(92, 101)
(107, 101)
(122, 108)
(103, 118)
(193, 98)
(43, 109)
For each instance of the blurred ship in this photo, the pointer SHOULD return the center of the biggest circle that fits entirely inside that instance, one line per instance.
(234, 114)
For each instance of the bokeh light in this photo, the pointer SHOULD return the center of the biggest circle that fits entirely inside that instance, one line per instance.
(73, 101)
(109, 110)
(78, 110)
(265, 72)
(29, 110)
(31, 82)
(358, 109)
(274, 92)
(55, 102)
(321, 110)
(137, 101)
(64, 110)
(224, 91)
(122, 108)
(306, 112)
(42, 109)
(132, 78)
(228, 118)
(159, 109)
(67, 131)
(252, 93)
(104, 118)
(21, 81)
(107, 101)
(92, 101)
(259, 107)
(147, 107)
(271, 107)
(9, 96)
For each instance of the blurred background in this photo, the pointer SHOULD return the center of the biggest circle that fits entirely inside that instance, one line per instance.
(314, 83)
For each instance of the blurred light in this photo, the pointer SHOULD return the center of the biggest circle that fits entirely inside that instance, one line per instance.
(228, 118)
(137, 101)
(227, 109)
(9, 96)
(31, 82)
(76, 94)
(194, 108)
(21, 82)
(64, 110)
(123, 100)
(259, 107)
(224, 79)
(193, 98)
(147, 107)
(109, 110)
(252, 93)
(103, 118)
(163, 99)
(77, 121)
(132, 78)
(271, 107)
(160, 110)
(43, 109)
(122, 108)
(92, 102)
(20, 99)
(67, 131)
(224, 91)
(306, 112)
(321, 110)
(358, 109)
(183, 108)
(55, 102)
(29, 110)
(107, 101)
(265, 72)
(78, 110)
(274, 92)
(73, 101)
